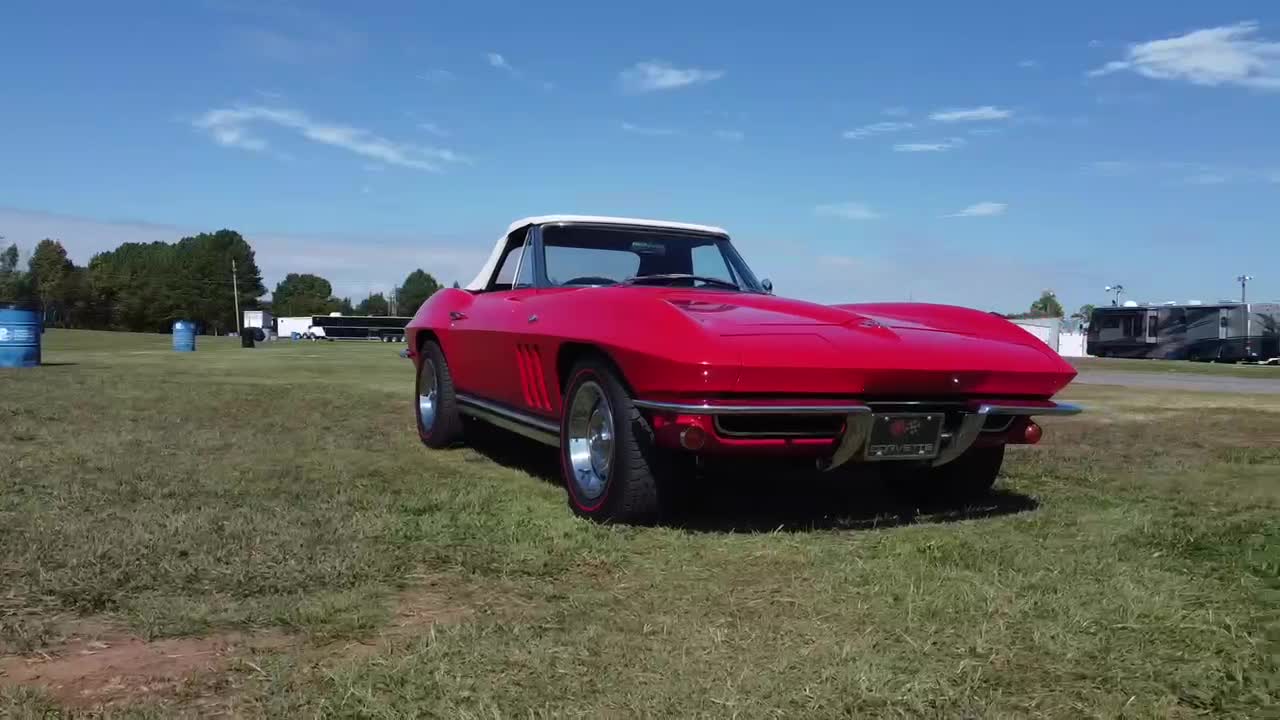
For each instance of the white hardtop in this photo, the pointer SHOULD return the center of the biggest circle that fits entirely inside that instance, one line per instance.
(482, 279)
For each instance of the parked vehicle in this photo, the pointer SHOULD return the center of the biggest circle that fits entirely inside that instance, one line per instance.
(637, 347)
(1221, 332)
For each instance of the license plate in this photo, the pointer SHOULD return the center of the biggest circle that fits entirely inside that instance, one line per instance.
(905, 436)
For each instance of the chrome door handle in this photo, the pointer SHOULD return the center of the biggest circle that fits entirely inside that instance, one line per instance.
(455, 315)
(533, 318)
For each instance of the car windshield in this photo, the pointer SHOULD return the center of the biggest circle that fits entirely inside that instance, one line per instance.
(600, 255)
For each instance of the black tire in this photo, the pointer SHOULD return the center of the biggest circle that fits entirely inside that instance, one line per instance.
(971, 475)
(446, 427)
(634, 491)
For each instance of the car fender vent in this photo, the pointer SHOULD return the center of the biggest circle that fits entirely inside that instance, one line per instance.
(533, 379)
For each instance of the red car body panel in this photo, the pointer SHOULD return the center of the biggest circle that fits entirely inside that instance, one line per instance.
(673, 344)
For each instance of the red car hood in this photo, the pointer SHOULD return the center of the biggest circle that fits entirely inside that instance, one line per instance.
(886, 349)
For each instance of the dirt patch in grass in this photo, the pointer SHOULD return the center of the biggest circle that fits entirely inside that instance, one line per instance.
(89, 663)
(118, 669)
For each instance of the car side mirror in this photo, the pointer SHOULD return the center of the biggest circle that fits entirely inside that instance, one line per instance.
(767, 284)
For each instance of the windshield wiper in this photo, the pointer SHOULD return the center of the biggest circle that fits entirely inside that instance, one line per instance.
(680, 276)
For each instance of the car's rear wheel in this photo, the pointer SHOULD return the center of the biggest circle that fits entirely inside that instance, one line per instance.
(972, 475)
(435, 405)
(612, 469)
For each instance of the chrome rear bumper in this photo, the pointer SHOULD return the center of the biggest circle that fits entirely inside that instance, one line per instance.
(859, 418)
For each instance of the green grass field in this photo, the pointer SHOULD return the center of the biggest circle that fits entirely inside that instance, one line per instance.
(1177, 367)
(259, 533)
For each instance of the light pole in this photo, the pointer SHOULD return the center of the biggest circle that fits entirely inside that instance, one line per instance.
(1243, 280)
(1117, 289)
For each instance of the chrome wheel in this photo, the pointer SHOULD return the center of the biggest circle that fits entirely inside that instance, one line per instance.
(590, 440)
(428, 394)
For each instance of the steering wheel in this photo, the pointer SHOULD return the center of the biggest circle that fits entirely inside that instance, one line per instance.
(589, 280)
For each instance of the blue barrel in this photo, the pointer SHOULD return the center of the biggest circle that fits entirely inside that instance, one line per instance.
(184, 336)
(20, 331)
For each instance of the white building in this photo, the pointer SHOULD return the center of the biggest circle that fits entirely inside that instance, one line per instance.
(1049, 331)
(257, 319)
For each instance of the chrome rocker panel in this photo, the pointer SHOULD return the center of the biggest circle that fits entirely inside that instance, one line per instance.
(533, 427)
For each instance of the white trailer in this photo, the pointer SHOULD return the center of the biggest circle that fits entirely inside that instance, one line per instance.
(287, 326)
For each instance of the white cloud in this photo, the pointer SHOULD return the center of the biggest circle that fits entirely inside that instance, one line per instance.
(645, 130)
(497, 61)
(434, 129)
(438, 76)
(1208, 178)
(1095, 43)
(895, 111)
(1227, 55)
(230, 127)
(847, 210)
(731, 135)
(1028, 64)
(1274, 176)
(1110, 168)
(985, 112)
(982, 209)
(867, 131)
(658, 75)
(943, 146)
(840, 261)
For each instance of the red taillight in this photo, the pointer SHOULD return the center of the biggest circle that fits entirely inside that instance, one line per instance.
(693, 438)
(1032, 433)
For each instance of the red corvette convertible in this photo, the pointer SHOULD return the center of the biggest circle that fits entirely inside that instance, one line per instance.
(637, 347)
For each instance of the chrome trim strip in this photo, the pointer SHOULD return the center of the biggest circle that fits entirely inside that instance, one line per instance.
(971, 424)
(857, 428)
(998, 408)
(534, 428)
(961, 440)
(705, 409)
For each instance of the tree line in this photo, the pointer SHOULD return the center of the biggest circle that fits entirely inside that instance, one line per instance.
(145, 287)
(1048, 306)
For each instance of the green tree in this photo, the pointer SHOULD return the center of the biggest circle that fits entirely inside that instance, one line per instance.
(1083, 315)
(145, 287)
(345, 307)
(416, 289)
(204, 278)
(135, 287)
(375, 304)
(456, 285)
(1047, 305)
(303, 294)
(48, 268)
(12, 280)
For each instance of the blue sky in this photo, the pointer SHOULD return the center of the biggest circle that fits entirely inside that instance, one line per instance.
(964, 153)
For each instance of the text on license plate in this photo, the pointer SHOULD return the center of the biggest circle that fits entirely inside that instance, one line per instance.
(904, 436)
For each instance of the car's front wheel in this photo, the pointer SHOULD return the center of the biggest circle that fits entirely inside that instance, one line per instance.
(435, 406)
(612, 469)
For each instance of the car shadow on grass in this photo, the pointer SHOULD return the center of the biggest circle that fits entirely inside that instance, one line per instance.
(779, 502)
(767, 497)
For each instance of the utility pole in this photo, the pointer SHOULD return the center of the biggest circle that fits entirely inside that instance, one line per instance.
(235, 290)
(1243, 280)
